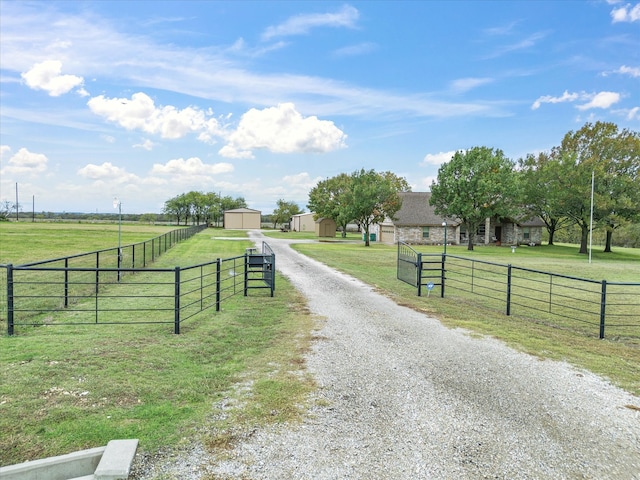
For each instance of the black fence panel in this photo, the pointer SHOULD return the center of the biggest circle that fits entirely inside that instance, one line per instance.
(79, 290)
(590, 307)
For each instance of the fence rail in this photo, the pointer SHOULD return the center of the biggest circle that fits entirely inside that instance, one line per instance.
(564, 301)
(66, 292)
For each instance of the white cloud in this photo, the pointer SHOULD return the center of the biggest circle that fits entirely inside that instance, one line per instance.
(146, 144)
(107, 171)
(140, 113)
(524, 44)
(4, 149)
(600, 100)
(566, 97)
(628, 13)
(47, 76)
(634, 114)
(631, 71)
(465, 84)
(300, 182)
(438, 158)
(302, 24)
(25, 162)
(593, 100)
(231, 152)
(282, 129)
(191, 166)
(354, 50)
(507, 29)
(424, 184)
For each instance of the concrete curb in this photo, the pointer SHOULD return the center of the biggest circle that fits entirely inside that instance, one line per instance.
(112, 462)
(116, 460)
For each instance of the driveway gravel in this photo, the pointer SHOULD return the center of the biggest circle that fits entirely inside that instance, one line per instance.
(402, 397)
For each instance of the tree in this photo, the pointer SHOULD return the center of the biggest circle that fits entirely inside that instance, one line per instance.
(178, 207)
(329, 199)
(613, 158)
(365, 197)
(476, 184)
(148, 218)
(5, 210)
(284, 212)
(541, 191)
(373, 197)
(211, 207)
(202, 207)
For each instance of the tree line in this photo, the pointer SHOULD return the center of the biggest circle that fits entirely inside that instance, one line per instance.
(555, 185)
(482, 182)
(201, 207)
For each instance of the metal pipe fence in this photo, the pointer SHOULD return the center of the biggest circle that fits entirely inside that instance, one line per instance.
(92, 269)
(563, 301)
(41, 294)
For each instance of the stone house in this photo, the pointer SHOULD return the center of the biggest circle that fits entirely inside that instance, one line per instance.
(417, 223)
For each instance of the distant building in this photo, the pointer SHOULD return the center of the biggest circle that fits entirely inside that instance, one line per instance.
(303, 222)
(325, 227)
(242, 219)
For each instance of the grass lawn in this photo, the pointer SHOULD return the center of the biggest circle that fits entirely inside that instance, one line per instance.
(351, 236)
(23, 242)
(620, 362)
(66, 388)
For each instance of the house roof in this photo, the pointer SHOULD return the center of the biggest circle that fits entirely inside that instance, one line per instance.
(531, 222)
(416, 211)
(325, 219)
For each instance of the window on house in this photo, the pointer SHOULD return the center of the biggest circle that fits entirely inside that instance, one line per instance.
(526, 233)
(481, 230)
(425, 232)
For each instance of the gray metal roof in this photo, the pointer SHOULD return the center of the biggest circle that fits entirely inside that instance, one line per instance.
(416, 211)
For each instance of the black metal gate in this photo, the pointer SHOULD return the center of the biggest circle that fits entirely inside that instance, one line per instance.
(419, 269)
(260, 269)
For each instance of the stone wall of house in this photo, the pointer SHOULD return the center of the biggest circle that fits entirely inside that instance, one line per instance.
(535, 235)
(413, 235)
(515, 236)
(508, 234)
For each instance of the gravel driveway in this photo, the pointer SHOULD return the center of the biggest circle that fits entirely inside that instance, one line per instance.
(402, 397)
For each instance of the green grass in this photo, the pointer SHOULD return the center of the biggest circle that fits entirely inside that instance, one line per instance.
(351, 237)
(64, 388)
(23, 242)
(618, 361)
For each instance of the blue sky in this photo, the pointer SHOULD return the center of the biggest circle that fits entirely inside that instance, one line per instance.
(145, 100)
